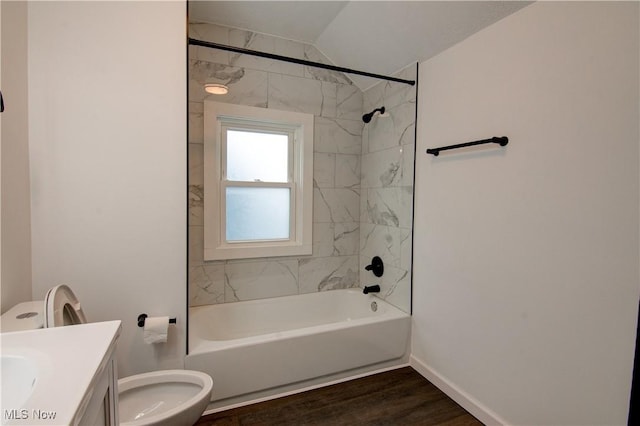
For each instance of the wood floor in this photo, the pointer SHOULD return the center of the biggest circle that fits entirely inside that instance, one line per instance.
(398, 397)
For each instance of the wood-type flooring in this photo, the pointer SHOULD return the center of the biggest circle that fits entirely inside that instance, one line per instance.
(397, 397)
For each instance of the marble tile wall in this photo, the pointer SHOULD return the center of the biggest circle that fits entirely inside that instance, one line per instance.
(386, 187)
(337, 107)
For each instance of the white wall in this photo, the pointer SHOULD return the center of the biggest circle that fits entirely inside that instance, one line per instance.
(16, 210)
(107, 105)
(526, 258)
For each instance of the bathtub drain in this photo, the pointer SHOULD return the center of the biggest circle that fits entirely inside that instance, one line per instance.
(374, 306)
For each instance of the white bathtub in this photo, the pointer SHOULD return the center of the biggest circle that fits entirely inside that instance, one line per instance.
(261, 344)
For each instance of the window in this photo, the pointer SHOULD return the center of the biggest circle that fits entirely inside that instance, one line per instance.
(258, 192)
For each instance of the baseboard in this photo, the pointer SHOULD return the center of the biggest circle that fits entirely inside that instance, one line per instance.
(465, 400)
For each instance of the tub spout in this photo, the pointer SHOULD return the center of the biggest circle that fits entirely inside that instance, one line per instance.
(371, 289)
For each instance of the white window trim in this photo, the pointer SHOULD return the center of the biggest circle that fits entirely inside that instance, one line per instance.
(300, 242)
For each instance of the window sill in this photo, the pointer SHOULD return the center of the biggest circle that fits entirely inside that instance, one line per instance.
(248, 251)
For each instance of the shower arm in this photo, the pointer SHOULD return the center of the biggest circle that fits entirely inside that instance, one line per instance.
(367, 117)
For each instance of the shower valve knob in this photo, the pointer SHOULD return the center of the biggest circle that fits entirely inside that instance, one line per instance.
(377, 267)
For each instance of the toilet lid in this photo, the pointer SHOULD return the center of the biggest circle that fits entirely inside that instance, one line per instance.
(62, 308)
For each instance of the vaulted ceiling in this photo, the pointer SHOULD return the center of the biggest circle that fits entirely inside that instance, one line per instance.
(376, 36)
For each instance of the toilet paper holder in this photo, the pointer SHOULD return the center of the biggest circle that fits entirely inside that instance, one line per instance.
(143, 317)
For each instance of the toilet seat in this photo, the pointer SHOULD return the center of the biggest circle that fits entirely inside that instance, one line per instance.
(62, 307)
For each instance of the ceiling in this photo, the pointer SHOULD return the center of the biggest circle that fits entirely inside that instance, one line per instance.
(376, 36)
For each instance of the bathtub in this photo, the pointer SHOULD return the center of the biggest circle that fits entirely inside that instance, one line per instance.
(255, 345)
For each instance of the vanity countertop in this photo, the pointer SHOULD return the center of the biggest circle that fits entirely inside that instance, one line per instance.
(65, 361)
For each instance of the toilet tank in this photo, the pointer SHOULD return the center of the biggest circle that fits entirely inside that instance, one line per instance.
(23, 316)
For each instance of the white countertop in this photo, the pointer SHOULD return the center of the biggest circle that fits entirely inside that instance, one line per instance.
(69, 360)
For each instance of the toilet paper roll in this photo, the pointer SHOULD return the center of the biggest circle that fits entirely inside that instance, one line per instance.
(155, 329)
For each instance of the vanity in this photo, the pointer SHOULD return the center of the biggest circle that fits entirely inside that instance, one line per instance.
(60, 376)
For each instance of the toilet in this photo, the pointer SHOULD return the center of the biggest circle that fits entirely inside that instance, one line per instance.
(165, 397)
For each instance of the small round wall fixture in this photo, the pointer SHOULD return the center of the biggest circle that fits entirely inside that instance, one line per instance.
(216, 88)
(377, 267)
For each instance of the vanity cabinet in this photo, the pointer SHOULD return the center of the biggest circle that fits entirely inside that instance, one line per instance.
(68, 375)
(102, 408)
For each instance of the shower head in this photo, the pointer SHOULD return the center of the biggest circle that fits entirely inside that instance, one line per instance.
(367, 117)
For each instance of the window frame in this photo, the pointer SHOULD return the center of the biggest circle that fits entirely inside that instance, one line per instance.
(219, 117)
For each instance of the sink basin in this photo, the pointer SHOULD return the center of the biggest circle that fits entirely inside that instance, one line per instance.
(19, 376)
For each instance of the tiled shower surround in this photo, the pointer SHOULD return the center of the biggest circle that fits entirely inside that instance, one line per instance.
(386, 187)
(362, 178)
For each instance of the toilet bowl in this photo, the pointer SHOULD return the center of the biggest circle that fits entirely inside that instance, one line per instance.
(160, 398)
(165, 397)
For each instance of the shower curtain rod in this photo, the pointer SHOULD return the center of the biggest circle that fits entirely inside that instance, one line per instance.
(212, 45)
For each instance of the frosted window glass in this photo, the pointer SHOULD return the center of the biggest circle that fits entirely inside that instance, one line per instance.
(254, 156)
(257, 213)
